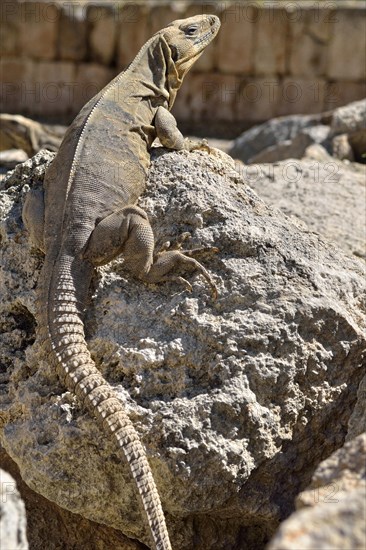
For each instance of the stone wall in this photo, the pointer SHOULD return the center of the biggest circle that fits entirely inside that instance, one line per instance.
(269, 59)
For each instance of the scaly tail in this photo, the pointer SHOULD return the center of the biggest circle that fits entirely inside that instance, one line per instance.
(80, 375)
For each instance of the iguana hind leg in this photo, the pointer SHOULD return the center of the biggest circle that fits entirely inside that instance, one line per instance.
(129, 232)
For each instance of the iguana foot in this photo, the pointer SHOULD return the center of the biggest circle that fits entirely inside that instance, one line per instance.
(202, 144)
(183, 237)
(183, 259)
(173, 260)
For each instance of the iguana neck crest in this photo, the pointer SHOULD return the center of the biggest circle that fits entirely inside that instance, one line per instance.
(182, 43)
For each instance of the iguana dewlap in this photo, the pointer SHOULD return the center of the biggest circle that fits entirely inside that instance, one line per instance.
(88, 216)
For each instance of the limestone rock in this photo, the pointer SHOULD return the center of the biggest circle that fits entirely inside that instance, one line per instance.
(350, 121)
(52, 527)
(328, 196)
(350, 118)
(103, 32)
(344, 60)
(342, 132)
(331, 512)
(72, 35)
(12, 515)
(317, 152)
(357, 422)
(20, 132)
(271, 135)
(10, 158)
(293, 148)
(341, 148)
(236, 400)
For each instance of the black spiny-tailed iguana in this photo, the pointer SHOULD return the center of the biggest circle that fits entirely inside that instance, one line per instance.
(88, 216)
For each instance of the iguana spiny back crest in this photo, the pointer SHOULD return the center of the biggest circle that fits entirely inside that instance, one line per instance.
(87, 217)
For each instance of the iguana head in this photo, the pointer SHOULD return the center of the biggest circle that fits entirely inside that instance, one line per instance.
(187, 38)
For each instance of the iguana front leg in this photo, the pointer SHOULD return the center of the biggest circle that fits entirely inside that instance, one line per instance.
(129, 232)
(171, 137)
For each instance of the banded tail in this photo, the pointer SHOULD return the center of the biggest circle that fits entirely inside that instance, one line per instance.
(77, 370)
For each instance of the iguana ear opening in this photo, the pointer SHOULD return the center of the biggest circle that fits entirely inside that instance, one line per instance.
(174, 51)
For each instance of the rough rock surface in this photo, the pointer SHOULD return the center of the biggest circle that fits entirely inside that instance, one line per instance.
(331, 512)
(350, 120)
(12, 157)
(328, 195)
(357, 422)
(273, 135)
(341, 132)
(50, 527)
(236, 400)
(12, 515)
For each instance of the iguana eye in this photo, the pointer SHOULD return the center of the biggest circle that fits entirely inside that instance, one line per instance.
(191, 30)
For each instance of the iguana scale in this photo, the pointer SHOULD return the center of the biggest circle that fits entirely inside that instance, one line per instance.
(88, 216)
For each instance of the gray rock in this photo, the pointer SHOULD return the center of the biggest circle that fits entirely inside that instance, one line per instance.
(236, 400)
(357, 422)
(13, 522)
(19, 132)
(293, 148)
(317, 152)
(329, 197)
(50, 527)
(10, 158)
(349, 118)
(342, 148)
(288, 137)
(272, 134)
(332, 510)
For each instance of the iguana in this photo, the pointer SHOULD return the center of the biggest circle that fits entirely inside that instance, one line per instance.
(87, 217)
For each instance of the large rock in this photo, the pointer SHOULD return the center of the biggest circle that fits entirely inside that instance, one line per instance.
(12, 515)
(331, 512)
(52, 527)
(326, 194)
(289, 136)
(236, 400)
(295, 147)
(272, 135)
(350, 120)
(357, 422)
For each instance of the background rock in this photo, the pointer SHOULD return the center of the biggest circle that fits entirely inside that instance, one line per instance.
(349, 118)
(293, 148)
(351, 121)
(12, 157)
(331, 512)
(12, 515)
(271, 135)
(341, 132)
(236, 400)
(326, 194)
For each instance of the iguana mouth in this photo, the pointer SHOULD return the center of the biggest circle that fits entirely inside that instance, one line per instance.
(205, 38)
(211, 33)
